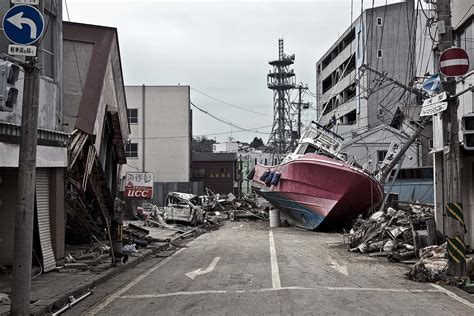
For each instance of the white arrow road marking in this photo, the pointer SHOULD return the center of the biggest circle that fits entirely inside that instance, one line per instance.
(18, 20)
(197, 272)
(337, 266)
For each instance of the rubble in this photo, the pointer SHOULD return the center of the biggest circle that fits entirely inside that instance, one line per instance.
(396, 234)
(432, 265)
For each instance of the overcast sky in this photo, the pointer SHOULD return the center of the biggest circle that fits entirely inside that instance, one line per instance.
(220, 48)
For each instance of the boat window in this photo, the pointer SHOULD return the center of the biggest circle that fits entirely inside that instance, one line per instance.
(310, 149)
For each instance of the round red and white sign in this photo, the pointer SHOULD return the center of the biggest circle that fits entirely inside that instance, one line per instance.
(454, 62)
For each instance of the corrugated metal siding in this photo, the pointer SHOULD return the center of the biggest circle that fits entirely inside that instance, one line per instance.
(44, 228)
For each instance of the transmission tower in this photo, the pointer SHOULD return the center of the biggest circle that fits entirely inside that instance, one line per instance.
(281, 79)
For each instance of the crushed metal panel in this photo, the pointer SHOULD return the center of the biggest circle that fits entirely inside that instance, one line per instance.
(44, 228)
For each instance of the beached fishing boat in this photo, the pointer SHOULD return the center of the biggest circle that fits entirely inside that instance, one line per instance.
(317, 185)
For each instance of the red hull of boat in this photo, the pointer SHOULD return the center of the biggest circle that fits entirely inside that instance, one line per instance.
(315, 189)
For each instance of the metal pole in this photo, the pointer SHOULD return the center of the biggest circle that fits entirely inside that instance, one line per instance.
(24, 216)
(452, 180)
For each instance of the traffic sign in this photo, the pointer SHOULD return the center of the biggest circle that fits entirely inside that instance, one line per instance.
(23, 24)
(31, 2)
(436, 99)
(454, 62)
(433, 108)
(22, 50)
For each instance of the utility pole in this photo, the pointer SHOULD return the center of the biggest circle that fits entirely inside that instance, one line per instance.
(24, 217)
(299, 104)
(455, 229)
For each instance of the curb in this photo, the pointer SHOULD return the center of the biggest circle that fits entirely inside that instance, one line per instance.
(46, 307)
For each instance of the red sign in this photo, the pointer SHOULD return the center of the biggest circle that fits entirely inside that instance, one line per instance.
(135, 193)
(138, 185)
(454, 62)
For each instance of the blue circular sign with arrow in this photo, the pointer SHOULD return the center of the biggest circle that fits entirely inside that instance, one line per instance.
(23, 24)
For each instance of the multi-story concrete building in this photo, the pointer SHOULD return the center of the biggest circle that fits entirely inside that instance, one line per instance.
(353, 100)
(160, 121)
(160, 140)
(51, 158)
(462, 20)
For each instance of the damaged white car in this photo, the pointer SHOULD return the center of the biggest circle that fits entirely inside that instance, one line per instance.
(184, 207)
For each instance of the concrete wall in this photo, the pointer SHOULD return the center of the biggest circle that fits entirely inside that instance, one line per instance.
(163, 132)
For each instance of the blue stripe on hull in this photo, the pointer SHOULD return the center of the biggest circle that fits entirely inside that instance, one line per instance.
(303, 217)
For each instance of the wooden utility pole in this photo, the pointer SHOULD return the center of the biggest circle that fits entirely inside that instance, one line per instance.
(24, 216)
(455, 228)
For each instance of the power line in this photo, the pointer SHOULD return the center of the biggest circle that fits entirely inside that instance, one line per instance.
(229, 104)
(224, 121)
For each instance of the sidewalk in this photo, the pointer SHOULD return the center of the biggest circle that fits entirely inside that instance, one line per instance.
(50, 291)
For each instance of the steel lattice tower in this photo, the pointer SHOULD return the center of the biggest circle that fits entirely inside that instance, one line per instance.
(281, 79)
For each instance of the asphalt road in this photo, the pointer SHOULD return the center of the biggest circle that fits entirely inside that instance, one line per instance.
(246, 268)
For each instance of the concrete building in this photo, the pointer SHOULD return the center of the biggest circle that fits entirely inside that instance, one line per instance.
(51, 152)
(217, 171)
(462, 20)
(161, 133)
(352, 101)
(95, 113)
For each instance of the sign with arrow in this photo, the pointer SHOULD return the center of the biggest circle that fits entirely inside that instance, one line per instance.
(197, 272)
(23, 24)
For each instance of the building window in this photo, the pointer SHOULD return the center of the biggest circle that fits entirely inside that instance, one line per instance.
(199, 173)
(131, 150)
(430, 143)
(132, 116)
(47, 45)
(379, 21)
(359, 38)
(379, 53)
(381, 156)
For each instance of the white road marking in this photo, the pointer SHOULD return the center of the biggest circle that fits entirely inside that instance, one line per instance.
(323, 288)
(273, 259)
(453, 295)
(197, 272)
(337, 266)
(115, 295)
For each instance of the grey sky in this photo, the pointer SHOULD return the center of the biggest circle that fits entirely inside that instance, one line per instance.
(221, 48)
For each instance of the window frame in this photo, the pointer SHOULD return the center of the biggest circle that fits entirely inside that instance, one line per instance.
(130, 116)
(129, 151)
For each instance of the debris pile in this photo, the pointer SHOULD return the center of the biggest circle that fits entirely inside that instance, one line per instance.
(229, 207)
(432, 265)
(85, 257)
(394, 234)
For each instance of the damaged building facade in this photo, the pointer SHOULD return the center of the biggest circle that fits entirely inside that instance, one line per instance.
(51, 158)
(95, 113)
(362, 107)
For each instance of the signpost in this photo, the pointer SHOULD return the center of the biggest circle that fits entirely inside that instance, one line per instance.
(435, 104)
(454, 62)
(23, 25)
(138, 185)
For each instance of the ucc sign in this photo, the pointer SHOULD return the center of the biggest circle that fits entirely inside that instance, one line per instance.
(138, 185)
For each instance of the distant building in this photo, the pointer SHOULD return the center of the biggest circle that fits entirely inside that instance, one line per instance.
(352, 101)
(225, 147)
(51, 158)
(217, 171)
(161, 128)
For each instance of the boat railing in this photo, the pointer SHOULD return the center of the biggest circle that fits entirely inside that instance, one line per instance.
(324, 138)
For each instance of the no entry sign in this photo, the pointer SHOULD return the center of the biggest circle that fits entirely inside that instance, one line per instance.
(454, 62)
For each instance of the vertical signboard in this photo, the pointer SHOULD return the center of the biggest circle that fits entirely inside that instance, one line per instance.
(138, 185)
